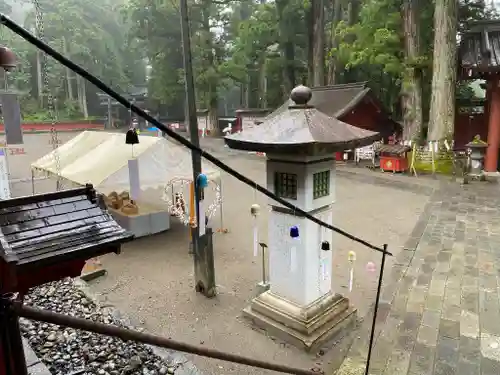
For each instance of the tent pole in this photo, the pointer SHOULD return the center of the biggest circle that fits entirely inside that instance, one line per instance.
(32, 182)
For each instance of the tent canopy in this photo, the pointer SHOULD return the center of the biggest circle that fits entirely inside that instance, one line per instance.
(101, 158)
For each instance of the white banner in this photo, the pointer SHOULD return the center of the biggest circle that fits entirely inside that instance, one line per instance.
(4, 175)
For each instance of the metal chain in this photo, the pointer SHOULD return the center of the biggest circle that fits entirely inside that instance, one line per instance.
(50, 99)
(4, 171)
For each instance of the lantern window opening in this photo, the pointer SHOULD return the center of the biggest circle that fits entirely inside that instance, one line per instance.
(285, 185)
(321, 184)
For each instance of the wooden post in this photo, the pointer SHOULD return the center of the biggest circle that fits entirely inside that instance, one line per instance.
(491, 160)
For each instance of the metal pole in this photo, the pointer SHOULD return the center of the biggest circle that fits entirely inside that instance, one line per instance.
(11, 344)
(203, 270)
(146, 338)
(32, 182)
(110, 113)
(375, 311)
(263, 263)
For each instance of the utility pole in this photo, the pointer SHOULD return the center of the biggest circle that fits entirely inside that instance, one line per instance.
(204, 270)
(110, 114)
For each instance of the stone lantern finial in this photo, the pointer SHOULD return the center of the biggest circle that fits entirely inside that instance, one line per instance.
(301, 95)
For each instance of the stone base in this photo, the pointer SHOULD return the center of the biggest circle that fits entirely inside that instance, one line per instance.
(492, 176)
(262, 287)
(308, 327)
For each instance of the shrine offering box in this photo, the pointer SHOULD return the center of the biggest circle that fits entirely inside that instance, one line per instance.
(393, 158)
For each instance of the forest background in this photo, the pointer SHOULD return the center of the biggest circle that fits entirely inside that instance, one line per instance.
(246, 54)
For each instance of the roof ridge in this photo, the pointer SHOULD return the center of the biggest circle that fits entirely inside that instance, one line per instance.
(341, 86)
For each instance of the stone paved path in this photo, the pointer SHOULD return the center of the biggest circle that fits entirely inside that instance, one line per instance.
(440, 309)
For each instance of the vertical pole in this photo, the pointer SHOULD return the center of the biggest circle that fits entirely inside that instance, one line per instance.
(203, 270)
(263, 263)
(12, 359)
(491, 160)
(110, 113)
(375, 311)
(32, 182)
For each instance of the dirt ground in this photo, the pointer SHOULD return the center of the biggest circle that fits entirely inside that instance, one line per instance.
(152, 279)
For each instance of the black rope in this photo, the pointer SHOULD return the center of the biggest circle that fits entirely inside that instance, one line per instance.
(32, 39)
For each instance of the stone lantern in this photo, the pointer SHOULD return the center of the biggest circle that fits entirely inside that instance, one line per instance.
(301, 307)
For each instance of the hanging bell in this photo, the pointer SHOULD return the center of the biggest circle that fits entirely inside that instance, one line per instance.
(202, 180)
(7, 58)
(325, 246)
(294, 232)
(131, 138)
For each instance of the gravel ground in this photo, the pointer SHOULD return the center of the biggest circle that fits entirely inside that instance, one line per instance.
(66, 350)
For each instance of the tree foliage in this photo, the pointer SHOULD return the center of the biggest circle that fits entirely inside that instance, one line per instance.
(246, 53)
(93, 34)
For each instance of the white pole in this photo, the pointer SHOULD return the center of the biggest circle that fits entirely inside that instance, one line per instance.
(220, 206)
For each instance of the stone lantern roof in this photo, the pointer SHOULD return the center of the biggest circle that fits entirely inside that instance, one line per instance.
(301, 129)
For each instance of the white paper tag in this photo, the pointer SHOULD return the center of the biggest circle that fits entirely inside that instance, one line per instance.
(134, 180)
(324, 271)
(293, 259)
(255, 238)
(201, 224)
(351, 278)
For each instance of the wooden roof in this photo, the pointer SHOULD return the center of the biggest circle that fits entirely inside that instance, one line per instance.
(301, 128)
(334, 100)
(479, 50)
(45, 229)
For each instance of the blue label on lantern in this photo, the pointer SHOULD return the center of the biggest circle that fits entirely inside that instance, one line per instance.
(294, 232)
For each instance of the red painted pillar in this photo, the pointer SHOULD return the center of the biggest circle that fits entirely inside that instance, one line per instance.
(491, 160)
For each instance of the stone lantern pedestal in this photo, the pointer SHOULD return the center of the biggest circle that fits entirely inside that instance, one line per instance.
(301, 307)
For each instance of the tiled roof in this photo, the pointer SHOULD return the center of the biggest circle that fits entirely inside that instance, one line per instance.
(45, 228)
(333, 100)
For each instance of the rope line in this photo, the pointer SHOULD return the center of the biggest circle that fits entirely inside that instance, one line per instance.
(32, 39)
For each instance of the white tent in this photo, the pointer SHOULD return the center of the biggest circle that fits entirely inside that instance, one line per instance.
(101, 158)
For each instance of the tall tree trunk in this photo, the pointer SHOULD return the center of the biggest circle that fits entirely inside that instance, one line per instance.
(412, 81)
(211, 99)
(84, 99)
(310, 44)
(263, 81)
(39, 77)
(318, 10)
(245, 13)
(69, 92)
(353, 11)
(287, 48)
(442, 111)
(82, 96)
(334, 42)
